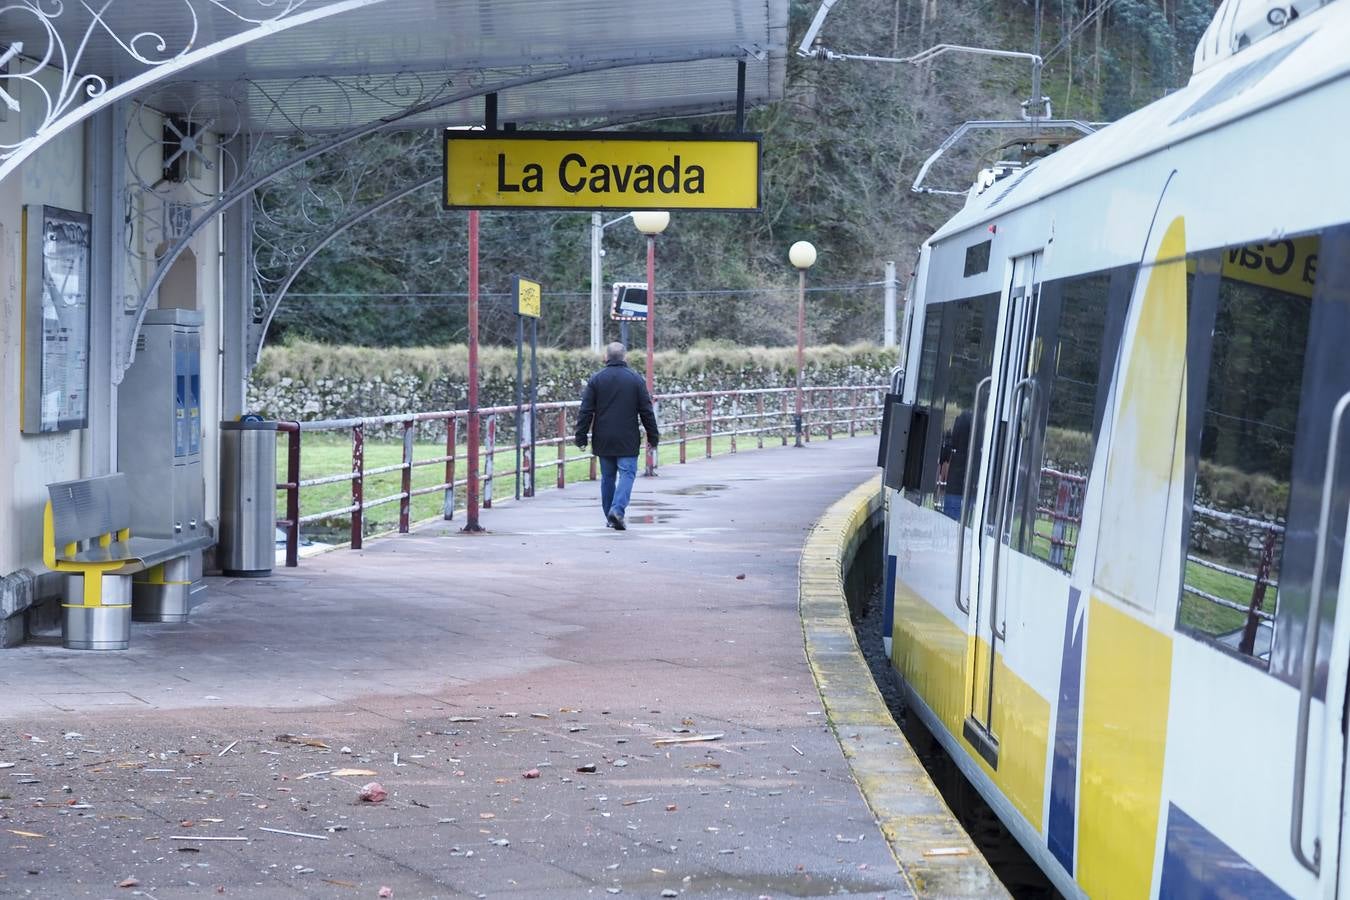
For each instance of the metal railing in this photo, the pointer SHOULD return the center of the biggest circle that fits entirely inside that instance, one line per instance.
(700, 417)
(1064, 513)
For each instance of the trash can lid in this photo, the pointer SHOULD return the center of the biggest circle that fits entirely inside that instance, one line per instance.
(249, 423)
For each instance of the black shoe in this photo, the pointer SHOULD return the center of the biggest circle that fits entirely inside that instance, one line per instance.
(616, 522)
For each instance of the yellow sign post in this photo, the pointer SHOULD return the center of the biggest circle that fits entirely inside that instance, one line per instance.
(528, 295)
(560, 170)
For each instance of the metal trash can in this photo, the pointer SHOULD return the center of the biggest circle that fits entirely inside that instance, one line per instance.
(248, 497)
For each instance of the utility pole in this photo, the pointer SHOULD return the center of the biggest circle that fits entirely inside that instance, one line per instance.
(597, 311)
(888, 329)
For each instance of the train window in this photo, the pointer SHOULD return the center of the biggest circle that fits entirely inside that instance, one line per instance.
(969, 359)
(1243, 412)
(957, 352)
(1077, 338)
(928, 394)
(928, 355)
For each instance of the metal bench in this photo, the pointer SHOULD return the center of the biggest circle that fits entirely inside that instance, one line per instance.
(86, 532)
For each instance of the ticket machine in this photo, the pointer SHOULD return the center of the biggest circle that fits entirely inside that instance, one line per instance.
(159, 448)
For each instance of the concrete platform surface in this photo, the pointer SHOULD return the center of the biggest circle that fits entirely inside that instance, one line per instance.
(475, 677)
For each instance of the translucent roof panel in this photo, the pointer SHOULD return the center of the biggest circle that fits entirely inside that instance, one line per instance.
(367, 59)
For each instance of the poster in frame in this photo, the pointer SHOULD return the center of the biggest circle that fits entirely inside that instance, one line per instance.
(56, 272)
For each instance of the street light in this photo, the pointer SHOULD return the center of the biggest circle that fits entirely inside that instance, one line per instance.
(597, 278)
(802, 255)
(651, 224)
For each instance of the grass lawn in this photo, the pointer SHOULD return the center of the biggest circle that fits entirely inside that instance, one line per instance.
(1211, 618)
(331, 454)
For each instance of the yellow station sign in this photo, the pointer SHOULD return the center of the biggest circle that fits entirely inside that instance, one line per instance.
(601, 171)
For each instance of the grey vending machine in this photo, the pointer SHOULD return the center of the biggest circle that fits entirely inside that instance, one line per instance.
(159, 448)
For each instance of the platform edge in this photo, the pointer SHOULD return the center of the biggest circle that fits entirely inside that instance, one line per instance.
(909, 810)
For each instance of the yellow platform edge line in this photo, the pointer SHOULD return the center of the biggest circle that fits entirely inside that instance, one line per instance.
(932, 851)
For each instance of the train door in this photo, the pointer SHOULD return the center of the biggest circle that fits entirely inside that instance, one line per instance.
(1011, 410)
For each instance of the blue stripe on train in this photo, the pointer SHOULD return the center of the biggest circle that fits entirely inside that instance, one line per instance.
(1199, 866)
(1064, 768)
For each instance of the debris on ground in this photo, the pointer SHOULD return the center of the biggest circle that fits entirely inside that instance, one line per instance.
(532, 773)
(128, 883)
(689, 739)
(373, 792)
(587, 768)
(352, 773)
(302, 834)
(466, 718)
(386, 892)
(303, 740)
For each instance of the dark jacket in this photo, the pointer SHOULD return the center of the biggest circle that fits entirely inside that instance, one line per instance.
(613, 401)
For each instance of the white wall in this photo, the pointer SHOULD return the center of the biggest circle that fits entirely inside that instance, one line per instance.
(53, 176)
(56, 176)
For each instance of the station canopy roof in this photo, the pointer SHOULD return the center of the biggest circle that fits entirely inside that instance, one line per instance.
(343, 62)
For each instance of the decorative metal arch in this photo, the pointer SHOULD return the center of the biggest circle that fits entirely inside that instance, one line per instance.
(148, 48)
(263, 168)
(257, 330)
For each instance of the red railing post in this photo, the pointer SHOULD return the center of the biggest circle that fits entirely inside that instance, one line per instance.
(562, 447)
(831, 408)
(293, 495)
(709, 439)
(448, 510)
(735, 418)
(759, 421)
(782, 430)
(405, 502)
(471, 524)
(1247, 644)
(358, 481)
(852, 411)
(683, 430)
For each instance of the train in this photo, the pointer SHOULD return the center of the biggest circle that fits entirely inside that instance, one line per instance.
(1117, 481)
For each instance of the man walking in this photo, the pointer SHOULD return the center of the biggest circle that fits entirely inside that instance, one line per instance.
(614, 400)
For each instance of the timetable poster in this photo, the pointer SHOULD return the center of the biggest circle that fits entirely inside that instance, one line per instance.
(63, 381)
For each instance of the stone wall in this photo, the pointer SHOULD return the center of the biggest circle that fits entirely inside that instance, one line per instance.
(312, 381)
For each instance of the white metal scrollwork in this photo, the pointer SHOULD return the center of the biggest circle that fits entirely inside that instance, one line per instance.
(78, 94)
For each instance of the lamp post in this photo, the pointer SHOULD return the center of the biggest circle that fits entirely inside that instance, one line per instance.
(651, 224)
(597, 277)
(802, 255)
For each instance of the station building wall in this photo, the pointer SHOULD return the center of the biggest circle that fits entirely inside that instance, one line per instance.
(59, 174)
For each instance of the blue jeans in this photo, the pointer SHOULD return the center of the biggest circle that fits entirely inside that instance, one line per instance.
(614, 496)
(951, 506)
